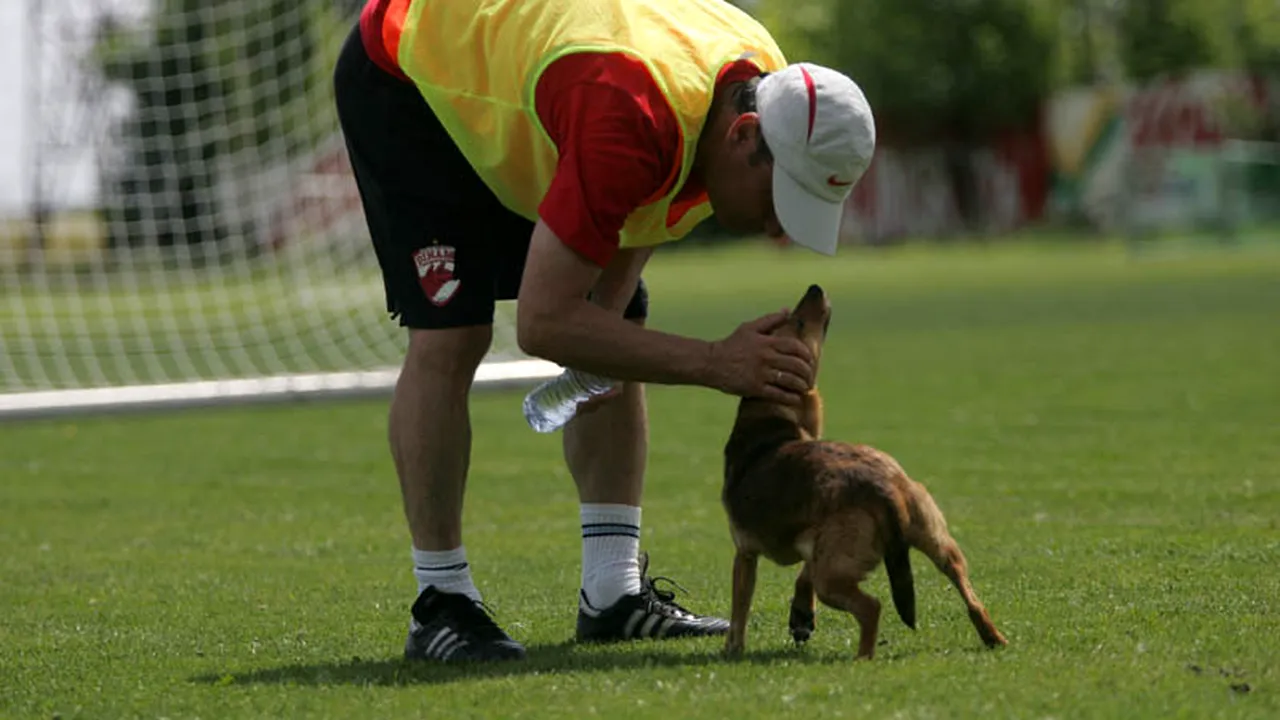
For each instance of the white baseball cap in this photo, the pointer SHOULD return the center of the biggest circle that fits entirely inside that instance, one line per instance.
(820, 130)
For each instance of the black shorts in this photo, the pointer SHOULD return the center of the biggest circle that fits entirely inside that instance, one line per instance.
(448, 249)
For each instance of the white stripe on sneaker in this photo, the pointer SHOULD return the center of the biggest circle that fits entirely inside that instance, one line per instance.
(442, 652)
(455, 643)
(628, 631)
(439, 641)
(646, 630)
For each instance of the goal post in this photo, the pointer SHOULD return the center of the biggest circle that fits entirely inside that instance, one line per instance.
(259, 390)
(192, 234)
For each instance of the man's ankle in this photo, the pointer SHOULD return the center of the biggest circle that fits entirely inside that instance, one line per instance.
(447, 571)
(610, 550)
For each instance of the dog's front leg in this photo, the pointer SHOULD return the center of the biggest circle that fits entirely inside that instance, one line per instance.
(744, 586)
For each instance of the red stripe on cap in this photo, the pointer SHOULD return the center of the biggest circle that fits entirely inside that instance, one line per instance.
(813, 101)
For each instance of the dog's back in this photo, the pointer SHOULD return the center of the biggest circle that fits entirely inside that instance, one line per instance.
(855, 476)
(786, 494)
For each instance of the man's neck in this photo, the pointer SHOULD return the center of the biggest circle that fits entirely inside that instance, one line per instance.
(718, 117)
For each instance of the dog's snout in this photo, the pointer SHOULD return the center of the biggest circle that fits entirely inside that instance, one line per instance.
(816, 297)
(813, 304)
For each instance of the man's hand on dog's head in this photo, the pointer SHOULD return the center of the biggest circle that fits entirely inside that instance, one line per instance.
(753, 363)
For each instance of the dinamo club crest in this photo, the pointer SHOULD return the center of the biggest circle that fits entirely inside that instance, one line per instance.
(435, 273)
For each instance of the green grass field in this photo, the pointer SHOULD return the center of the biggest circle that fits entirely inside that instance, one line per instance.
(1103, 435)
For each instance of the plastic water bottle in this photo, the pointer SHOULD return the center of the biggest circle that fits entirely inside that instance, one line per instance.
(551, 405)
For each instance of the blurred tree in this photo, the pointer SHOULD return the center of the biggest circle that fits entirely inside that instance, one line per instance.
(1256, 33)
(963, 70)
(1162, 37)
(1085, 49)
(800, 27)
(933, 69)
(1089, 41)
(207, 81)
(1259, 47)
(166, 177)
(1086, 68)
(940, 72)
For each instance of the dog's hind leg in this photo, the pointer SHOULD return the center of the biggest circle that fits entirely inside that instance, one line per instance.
(802, 622)
(842, 592)
(844, 554)
(933, 539)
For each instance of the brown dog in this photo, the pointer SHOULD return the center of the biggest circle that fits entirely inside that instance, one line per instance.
(839, 508)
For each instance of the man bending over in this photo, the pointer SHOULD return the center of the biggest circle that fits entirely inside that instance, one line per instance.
(539, 150)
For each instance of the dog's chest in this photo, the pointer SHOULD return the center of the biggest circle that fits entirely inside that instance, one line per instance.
(770, 519)
(783, 551)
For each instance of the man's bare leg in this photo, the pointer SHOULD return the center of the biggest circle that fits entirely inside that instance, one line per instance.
(430, 435)
(429, 430)
(606, 450)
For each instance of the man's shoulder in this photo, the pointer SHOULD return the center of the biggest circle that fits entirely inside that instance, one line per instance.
(602, 69)
(611, 89)
(626, 71)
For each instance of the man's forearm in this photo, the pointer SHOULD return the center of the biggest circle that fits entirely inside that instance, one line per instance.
(588, 337)
(556, 322)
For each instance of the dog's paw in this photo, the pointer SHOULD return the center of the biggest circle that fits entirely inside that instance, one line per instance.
(994, 639)
(801, 624)
(733, 650)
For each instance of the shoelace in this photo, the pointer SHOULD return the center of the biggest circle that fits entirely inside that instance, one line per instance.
(665, 600)
(479, 617)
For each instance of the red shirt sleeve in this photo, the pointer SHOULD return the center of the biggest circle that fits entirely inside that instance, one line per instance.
(371, 20)
(617, 139)
(619, 145)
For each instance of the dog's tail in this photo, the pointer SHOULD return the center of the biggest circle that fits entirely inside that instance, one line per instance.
(897, 564)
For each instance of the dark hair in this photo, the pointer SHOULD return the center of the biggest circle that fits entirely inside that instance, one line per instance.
(744, 101)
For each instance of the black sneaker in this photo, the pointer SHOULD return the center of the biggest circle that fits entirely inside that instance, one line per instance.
(454, 628)
(651, 614)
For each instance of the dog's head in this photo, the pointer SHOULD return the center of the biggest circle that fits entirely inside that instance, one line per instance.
(808, 323)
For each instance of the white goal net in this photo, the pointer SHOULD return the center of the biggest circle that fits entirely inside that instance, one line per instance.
(189, 230)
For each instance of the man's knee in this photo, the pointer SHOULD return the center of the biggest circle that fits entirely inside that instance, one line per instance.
(450, 355)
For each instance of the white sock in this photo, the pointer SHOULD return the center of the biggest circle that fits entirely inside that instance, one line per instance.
(446, 570)
(610, 546)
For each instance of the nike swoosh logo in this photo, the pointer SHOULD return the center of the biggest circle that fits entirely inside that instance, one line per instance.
(834, 181)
